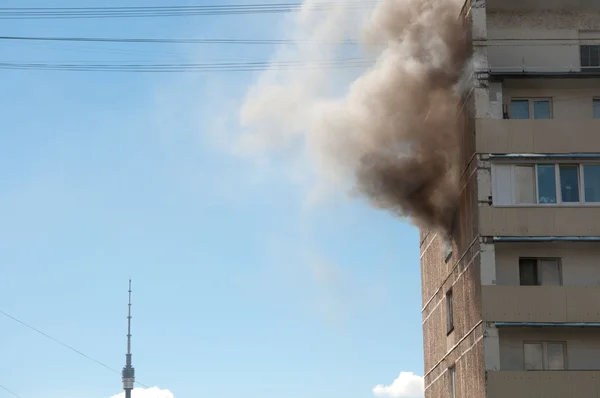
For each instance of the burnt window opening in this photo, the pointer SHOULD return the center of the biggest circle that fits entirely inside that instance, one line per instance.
(447, 251)
(449, 312)
(452, 235)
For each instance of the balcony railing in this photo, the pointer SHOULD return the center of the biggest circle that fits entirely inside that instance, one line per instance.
(539, 221)
(551, 304)
(551, 384)
(559, 54)
(542, 5)
(537, 136)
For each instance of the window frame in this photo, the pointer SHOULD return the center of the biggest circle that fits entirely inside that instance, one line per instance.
(544, 344)
(448, 252)
(595, 100)
(538, 261)
(452, 374)
(514, 190)
(449, 312)
(556, 184)
(582, 188)
(588, 67)
(558, 192)
(532, 101)
(580, 183)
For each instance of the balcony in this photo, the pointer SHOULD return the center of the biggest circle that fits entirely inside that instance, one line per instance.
(539, 221)
(550, 304)
(536, 57)
(537, 136)
(551, 384)
(519, 5)
(544, 41)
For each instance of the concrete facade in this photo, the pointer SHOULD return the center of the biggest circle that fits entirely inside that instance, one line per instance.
(523, 278)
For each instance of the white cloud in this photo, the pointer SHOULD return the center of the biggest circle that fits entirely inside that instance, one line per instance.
(152, 392)
(406, 385)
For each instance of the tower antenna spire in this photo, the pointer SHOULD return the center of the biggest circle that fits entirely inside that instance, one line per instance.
(128, 373)
(129, 326)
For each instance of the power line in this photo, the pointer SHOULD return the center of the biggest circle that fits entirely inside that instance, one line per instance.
(57, 341)
(187, 7)
(171, 41)
(171, 11)
(64, 344)
(9, 391)
(486, 42)
(198, 67)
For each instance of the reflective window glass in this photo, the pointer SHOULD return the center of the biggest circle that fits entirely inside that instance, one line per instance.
(591, 180)
(546, 180)
(519, 109)
(569, 183)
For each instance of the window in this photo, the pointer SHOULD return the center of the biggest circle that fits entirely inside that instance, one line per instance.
(519, 109)
(525, 184)
(452, 374)
(596, 107)
(544, 355)
(541, 109)
(534, 356)
(539, 272)
(449, 312)
(524, 108)
(590, 56)
(569, 183)
(447, 251)
(546, 180)
(591, 176)
(546, 184)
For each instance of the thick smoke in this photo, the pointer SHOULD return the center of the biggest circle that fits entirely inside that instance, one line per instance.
(396, 134)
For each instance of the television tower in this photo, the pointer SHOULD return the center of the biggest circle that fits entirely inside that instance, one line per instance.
(128, 371)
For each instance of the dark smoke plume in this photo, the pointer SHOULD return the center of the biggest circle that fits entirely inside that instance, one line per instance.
(419, 107)
(396, 134)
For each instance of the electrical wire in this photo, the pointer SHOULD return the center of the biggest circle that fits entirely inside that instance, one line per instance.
(478, 43)
(198, 67)
(172, 41)
(82, 48)
(170, 11)
(9, 391)
(64, 345)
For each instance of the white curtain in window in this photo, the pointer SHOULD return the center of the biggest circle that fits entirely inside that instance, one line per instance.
(525, 184)
(502, 187)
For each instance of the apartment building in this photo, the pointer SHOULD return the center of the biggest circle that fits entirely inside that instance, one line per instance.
(513, 309)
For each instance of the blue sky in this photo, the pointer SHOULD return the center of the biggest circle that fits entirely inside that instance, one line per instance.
(240, 289)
